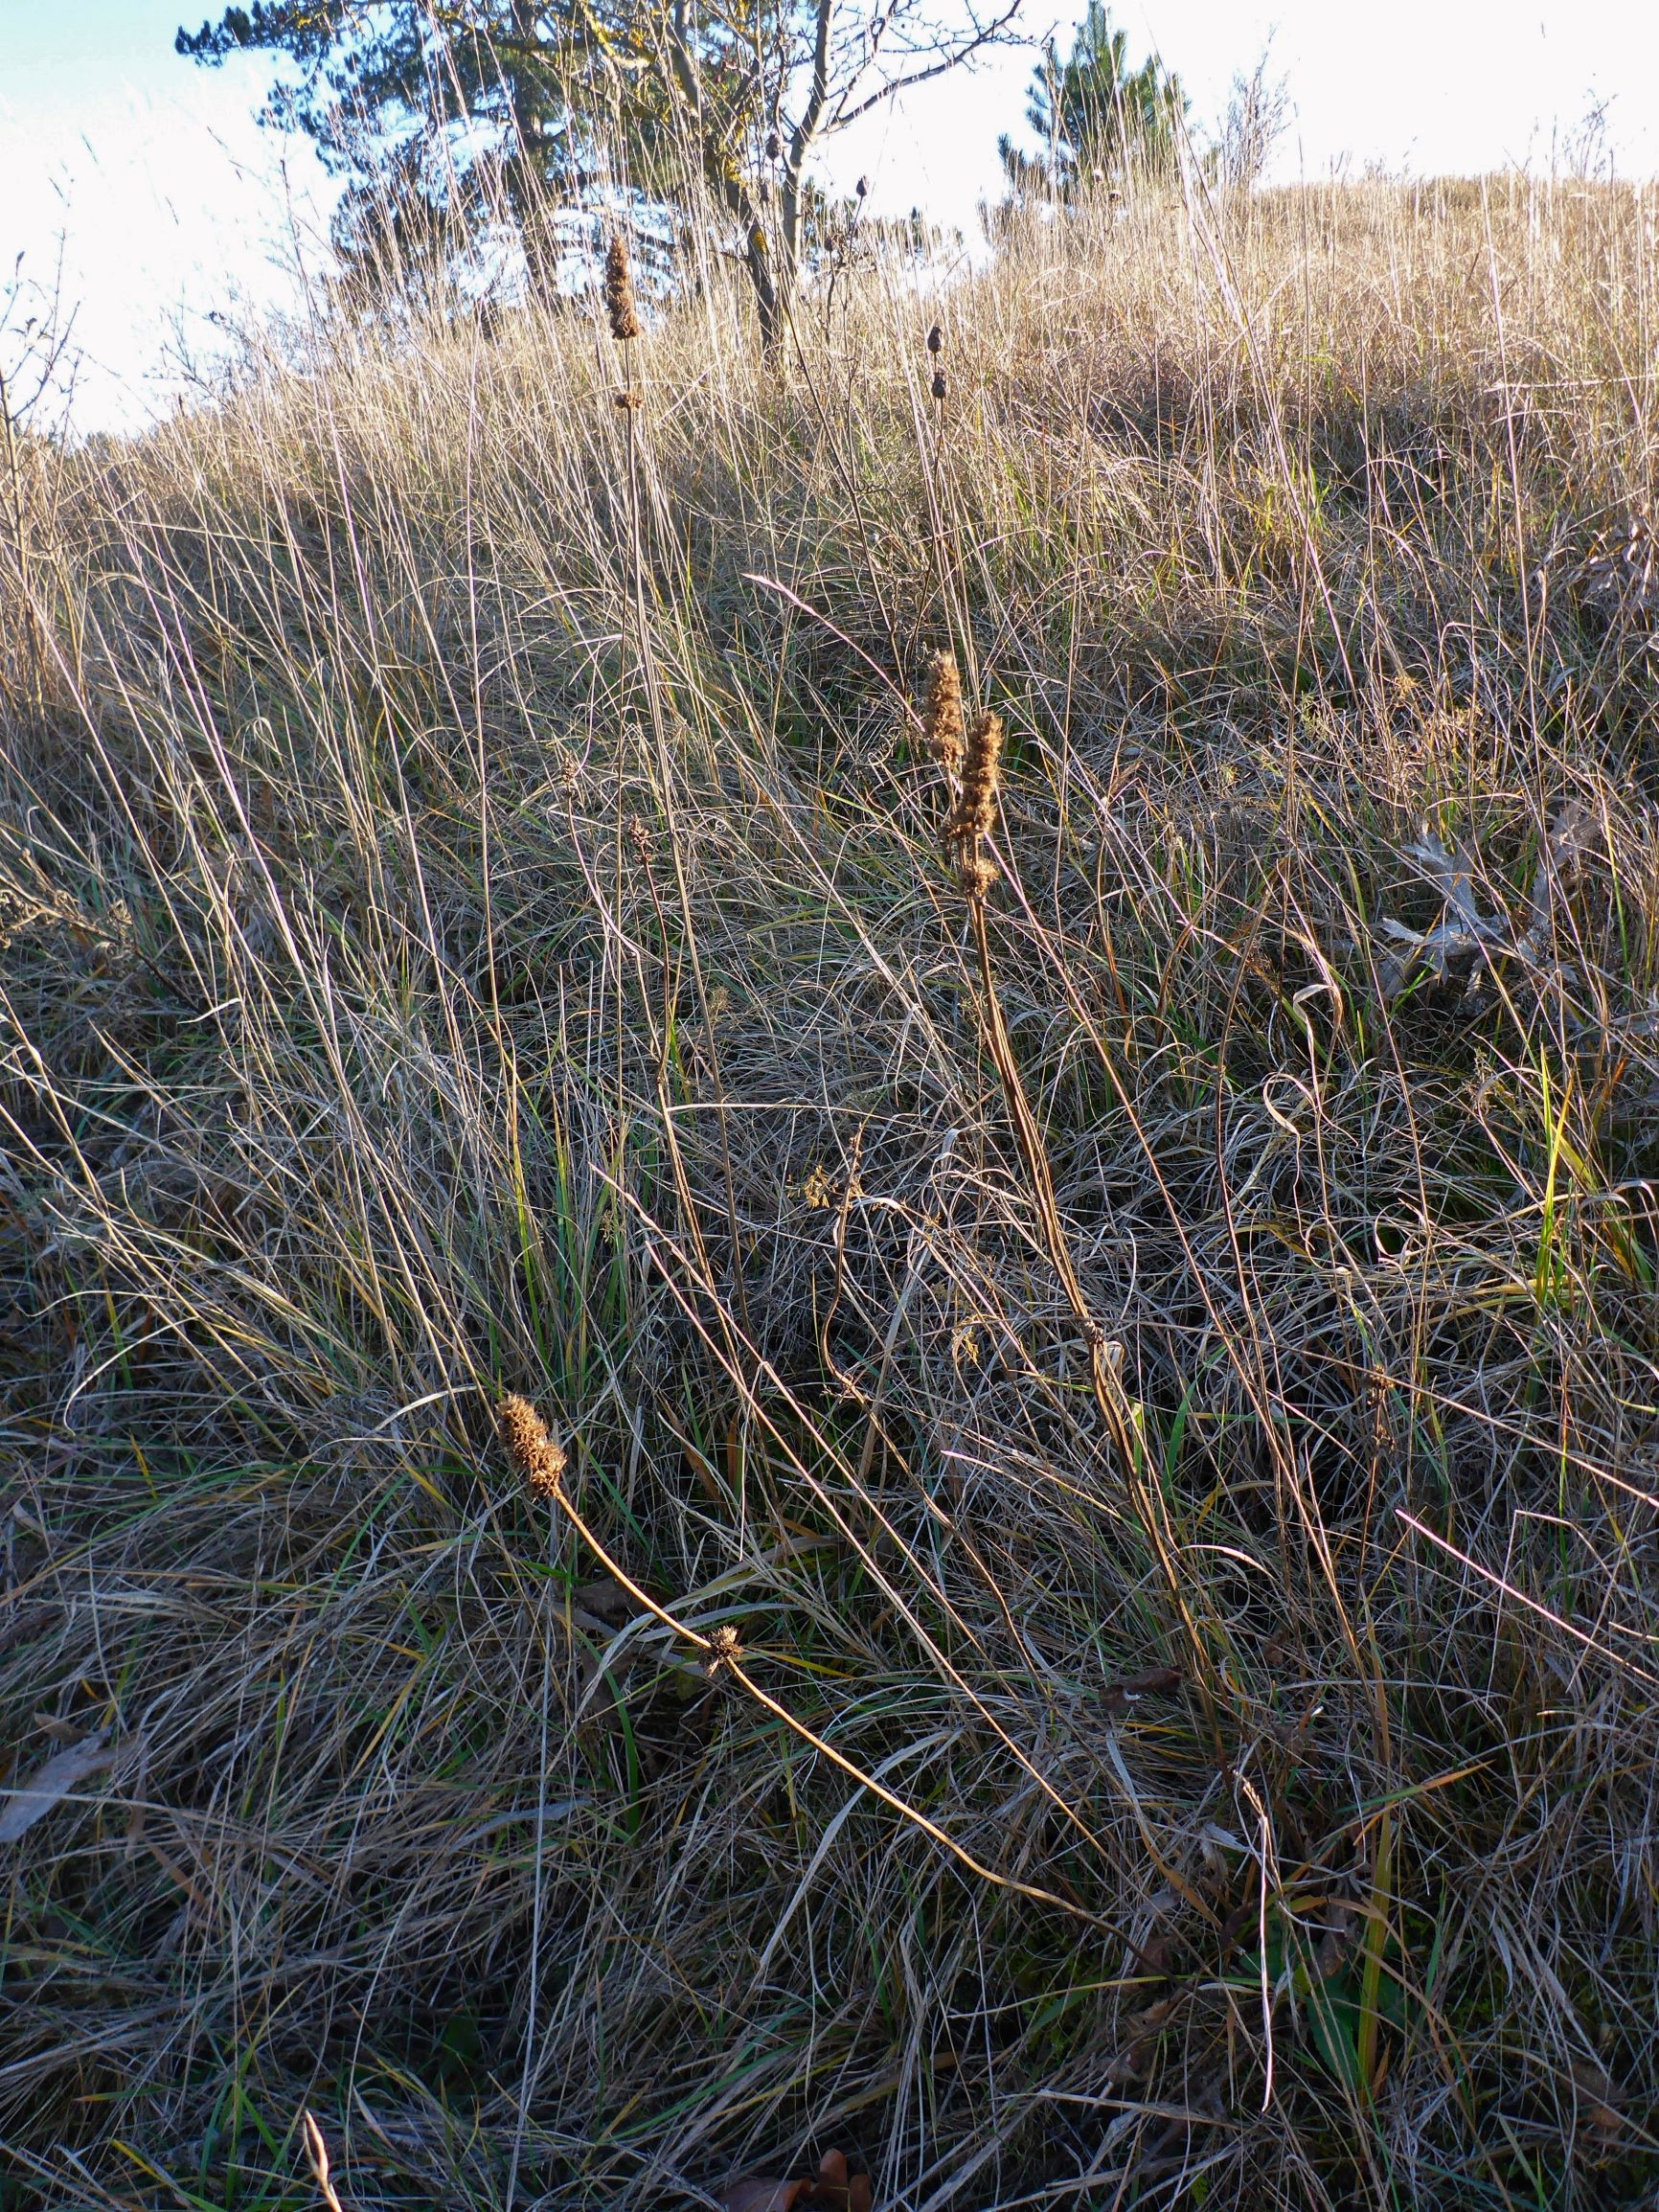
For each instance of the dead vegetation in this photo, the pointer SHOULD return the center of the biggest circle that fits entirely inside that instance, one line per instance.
(1092, 1635)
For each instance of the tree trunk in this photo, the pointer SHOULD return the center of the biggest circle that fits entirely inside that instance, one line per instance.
(771, 297)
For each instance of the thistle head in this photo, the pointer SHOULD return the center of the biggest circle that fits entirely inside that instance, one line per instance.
(725, 1649)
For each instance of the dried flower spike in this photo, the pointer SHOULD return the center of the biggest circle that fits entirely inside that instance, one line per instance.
(937, 386)
(935, 339)
(532, 1447)
(619, 291)
(980, 773)
(941, 724)
(725, 1649)
(975, 810)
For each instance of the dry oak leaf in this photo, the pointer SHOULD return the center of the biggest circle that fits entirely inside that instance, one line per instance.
(1598, 2098)
(833, 2191)
(24, 1803)
(1155, 1682)
(606, 1600)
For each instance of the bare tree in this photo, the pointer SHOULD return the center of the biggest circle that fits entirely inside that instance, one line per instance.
(673, 98)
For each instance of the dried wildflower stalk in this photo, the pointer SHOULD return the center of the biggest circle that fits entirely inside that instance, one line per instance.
(532, 1447)
(965, 829)
(619, 291)
(527, 1439)
(942, 724)
(970, 819)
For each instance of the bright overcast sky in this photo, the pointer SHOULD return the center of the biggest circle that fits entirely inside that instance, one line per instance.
(167, 198)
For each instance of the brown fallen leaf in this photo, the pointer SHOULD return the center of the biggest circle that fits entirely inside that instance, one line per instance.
(757, 2193)
(833, 2191)
(1142, 2030)
(606, 1600)
(24, 1803)
(1595, 2086)
(1156, 1681)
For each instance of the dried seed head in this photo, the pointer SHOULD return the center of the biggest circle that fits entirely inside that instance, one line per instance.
(532, 1447)
(619, 291)
(862, 188)
(774, 146)
(724, 1648)
(981, 772)
(818, 1190)
(937, 386)
(627, 400)
(942, 723)
(975, 810)
(935, 339)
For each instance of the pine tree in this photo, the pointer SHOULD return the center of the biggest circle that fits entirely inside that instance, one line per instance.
(1097, 120)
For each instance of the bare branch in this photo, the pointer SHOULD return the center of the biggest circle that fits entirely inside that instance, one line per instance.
(984, 35)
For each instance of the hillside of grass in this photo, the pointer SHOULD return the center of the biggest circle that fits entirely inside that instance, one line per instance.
(1097, 1638)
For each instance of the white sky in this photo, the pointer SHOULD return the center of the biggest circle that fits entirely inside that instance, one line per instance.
(166, 200)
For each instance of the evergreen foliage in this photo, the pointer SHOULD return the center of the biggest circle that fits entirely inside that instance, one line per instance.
(1096, 120)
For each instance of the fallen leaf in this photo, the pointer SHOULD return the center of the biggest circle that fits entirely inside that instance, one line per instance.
(756, 2194)
(1156, 1681)
(1142, 2030)
(1596, 2087)
(607, 1599)
(49, 1784)
(833, 2191)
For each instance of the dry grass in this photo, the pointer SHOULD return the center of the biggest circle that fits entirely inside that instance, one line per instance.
(465, 933)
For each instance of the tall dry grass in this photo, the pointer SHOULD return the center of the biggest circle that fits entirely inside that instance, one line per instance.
(1118, 1674)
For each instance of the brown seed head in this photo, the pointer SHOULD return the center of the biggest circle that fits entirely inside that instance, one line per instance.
(619, 291)
(942, 723)
(724, 1647)
(627, 400)
(975, 810)
(935, 339)
(938, 385)
(981, 772)
(532, 1447)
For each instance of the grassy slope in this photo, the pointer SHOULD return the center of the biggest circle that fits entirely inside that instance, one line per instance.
(442, 957)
